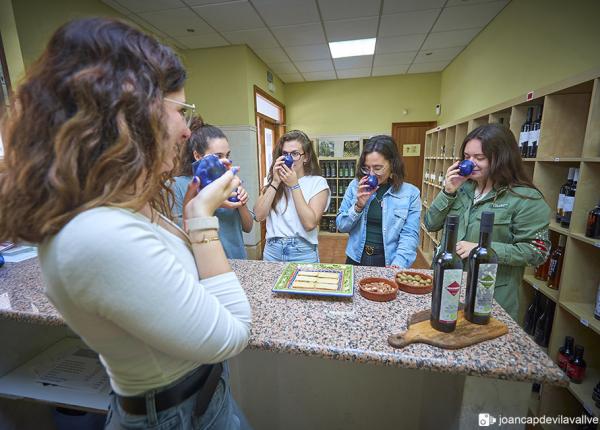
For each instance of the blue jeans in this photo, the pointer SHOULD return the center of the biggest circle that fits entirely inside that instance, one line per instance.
(294, 249)
(222, 413)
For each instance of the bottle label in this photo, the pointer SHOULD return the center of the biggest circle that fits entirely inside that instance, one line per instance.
(534, 135)
(450, 295)
(568, 204)
(575, 373)
(561, 202)
(486, 280)
(553, 267)
(523, 138)
(562, 361)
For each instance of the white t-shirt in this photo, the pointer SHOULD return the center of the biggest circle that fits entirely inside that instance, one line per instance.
(130, 289)
(285, 221)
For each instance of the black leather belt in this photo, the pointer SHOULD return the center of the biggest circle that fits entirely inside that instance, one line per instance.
(203, 381)
(372, 250)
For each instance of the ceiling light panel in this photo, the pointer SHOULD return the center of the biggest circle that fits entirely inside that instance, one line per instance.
(352, 48)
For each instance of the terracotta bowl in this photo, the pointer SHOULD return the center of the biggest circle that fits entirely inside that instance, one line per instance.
(414, 288)
(375, 296)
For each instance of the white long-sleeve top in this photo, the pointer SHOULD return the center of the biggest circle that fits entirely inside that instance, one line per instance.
(131, 290)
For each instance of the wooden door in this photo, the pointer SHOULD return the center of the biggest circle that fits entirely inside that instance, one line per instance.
(410, 138)
(268, 134)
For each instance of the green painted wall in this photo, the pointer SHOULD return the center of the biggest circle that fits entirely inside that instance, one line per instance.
(531, 43)
(10, 39)
(257, 75)
(361, 105)
(38, 19)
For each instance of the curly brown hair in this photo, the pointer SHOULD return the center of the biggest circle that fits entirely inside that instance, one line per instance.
(86, 128)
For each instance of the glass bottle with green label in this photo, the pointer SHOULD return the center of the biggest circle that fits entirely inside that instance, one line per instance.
(447, 277)
(481, 274)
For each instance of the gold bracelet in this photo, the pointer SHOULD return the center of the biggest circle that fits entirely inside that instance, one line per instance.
(205, 240)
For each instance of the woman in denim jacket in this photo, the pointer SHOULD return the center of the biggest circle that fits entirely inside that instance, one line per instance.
(383, 223)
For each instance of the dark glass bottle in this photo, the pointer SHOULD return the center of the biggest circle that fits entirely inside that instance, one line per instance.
(534, 135)
(556, 262)
(529, 321)
(576, 366)
(565, 353)
(540, 317)
(569, 202)
(481, 274)
(333, 169)
(596, 395)
(524, 136)
(593, 223)
(544, 324)
(562, 192)
(447, 277)
(597, 307)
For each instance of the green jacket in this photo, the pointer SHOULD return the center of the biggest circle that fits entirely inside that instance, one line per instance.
(520, 236)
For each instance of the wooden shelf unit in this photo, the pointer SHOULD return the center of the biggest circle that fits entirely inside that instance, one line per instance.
(338, 184)
(570, 137)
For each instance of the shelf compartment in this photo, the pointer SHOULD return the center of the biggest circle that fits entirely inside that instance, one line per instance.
(563, 125)
(583, 391)
(591, 145)
(541, 286)
(584, 312)
(586, 198)
(502, 117)
(477, 122)
(580, 275)
(554, 226)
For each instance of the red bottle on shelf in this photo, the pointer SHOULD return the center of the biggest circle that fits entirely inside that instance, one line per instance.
(565, 353)
(576, 366)
(593, 223)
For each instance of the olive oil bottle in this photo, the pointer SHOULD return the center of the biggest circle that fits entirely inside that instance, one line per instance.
(481, 274)
(447, 277)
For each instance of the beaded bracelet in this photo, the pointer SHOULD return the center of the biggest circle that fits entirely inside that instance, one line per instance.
(295, 187)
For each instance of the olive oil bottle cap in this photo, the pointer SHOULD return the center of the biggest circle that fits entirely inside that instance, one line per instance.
(487, 221)
(452, 222)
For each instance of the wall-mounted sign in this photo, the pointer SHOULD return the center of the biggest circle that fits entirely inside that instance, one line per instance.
(411, 150)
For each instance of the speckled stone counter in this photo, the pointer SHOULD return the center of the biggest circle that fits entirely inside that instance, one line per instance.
(353, 329)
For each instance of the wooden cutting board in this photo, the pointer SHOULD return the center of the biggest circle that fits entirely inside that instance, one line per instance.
(465, 334)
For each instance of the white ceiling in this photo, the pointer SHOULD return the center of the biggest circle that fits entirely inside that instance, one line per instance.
(291, 36)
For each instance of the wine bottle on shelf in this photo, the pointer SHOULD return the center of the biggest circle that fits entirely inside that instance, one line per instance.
(524, 136)
(556, 262)
(447, 277)
(561, 194)
(441, 178)
(592, 228)
(540, 319)
(529, 321)
(541, 271)
(332, 225)
(352, 169)
(481, 274)
(569, 202)
(534, 135)
(565, 353)
(576, 366)
(542, 333)
(333, 169)
(427, 175)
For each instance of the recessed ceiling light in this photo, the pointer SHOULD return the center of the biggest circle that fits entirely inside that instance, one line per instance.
(352, 48)
(190, 30)
(428, 53)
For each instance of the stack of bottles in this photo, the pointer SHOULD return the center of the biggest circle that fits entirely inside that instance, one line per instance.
(566, 198)
(570, 360)
(538, 319)
(550, 271)
(529, 138)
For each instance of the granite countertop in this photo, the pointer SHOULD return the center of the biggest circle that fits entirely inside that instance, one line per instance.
(352, 329)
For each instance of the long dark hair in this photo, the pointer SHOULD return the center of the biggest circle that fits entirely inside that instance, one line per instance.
(385, 146)
(500, 147)
(201, 135)
(86, 128)
(311, 164)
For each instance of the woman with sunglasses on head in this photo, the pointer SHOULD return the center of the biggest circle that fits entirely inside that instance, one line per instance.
(89, 142)
(382, 218)
(293, 201)
(497, 183)
(234, 217)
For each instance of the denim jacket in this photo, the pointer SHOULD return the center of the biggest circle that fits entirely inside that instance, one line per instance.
(401, 211)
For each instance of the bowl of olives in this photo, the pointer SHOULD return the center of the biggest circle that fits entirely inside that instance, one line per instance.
(414, 282)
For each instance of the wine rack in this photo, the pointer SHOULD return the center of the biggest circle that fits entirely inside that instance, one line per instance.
(339, 172)
(569, 137)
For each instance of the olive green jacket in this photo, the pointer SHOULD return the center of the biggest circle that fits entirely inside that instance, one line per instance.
(520, 236)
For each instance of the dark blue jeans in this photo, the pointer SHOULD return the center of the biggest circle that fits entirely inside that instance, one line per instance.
(377, 260)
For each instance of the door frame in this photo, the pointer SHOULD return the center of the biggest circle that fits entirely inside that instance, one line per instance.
(398, 125)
